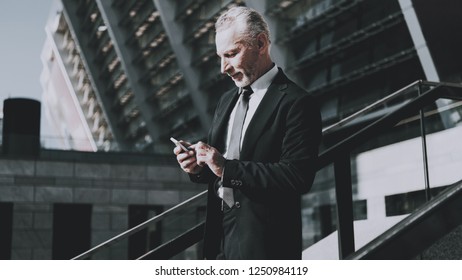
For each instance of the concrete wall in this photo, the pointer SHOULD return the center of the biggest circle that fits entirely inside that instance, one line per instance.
(109, 185)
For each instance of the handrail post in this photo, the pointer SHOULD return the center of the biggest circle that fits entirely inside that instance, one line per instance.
(344, 194)
(423, 135)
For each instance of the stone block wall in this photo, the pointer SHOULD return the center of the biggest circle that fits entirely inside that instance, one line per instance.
(109, 186)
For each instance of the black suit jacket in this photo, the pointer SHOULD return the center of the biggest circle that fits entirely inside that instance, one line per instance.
(276, 166)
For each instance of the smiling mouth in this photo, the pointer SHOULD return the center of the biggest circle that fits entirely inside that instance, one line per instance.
(234, 76)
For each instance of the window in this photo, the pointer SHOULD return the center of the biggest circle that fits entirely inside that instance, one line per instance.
(71, 230)
(6, 230)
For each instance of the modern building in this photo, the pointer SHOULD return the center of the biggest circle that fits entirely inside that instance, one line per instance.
(126, 75)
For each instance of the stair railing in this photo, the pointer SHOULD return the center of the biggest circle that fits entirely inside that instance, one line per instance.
(142, 226)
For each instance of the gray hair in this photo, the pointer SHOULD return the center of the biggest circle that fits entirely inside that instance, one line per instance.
(254, 22)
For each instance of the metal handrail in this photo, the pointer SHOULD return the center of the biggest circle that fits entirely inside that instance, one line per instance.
(424, 221)
(141, 226)
(176, 245)
(325, 158)
(375, 126)
(367, 108)
(339, 155)
(383, 100)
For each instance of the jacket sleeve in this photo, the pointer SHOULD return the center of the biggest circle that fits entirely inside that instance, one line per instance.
(294, 171)
(204, 177)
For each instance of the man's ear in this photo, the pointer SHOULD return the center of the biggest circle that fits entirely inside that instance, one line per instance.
(262, 41)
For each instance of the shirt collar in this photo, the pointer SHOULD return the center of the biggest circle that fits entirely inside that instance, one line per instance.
(265, 80)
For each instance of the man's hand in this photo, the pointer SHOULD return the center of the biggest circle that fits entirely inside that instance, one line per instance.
(187, 160)
(210, 156)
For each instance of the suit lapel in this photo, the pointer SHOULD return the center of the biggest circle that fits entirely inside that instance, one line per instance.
(220, 123)
(264, 111)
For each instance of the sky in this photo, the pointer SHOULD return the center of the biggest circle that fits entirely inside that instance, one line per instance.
(22, 33)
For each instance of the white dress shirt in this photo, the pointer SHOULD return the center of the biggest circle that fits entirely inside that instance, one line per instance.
(259, 88)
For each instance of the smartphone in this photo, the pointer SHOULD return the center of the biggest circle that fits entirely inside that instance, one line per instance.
(176, 142)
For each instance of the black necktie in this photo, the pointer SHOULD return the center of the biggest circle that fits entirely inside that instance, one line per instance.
(234, 148)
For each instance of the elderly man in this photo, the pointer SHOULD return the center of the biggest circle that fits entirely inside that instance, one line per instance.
(261, 151)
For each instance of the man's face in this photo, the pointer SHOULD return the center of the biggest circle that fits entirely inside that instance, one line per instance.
(239, 60)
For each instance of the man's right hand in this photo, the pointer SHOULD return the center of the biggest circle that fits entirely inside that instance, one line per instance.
(187, 160)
